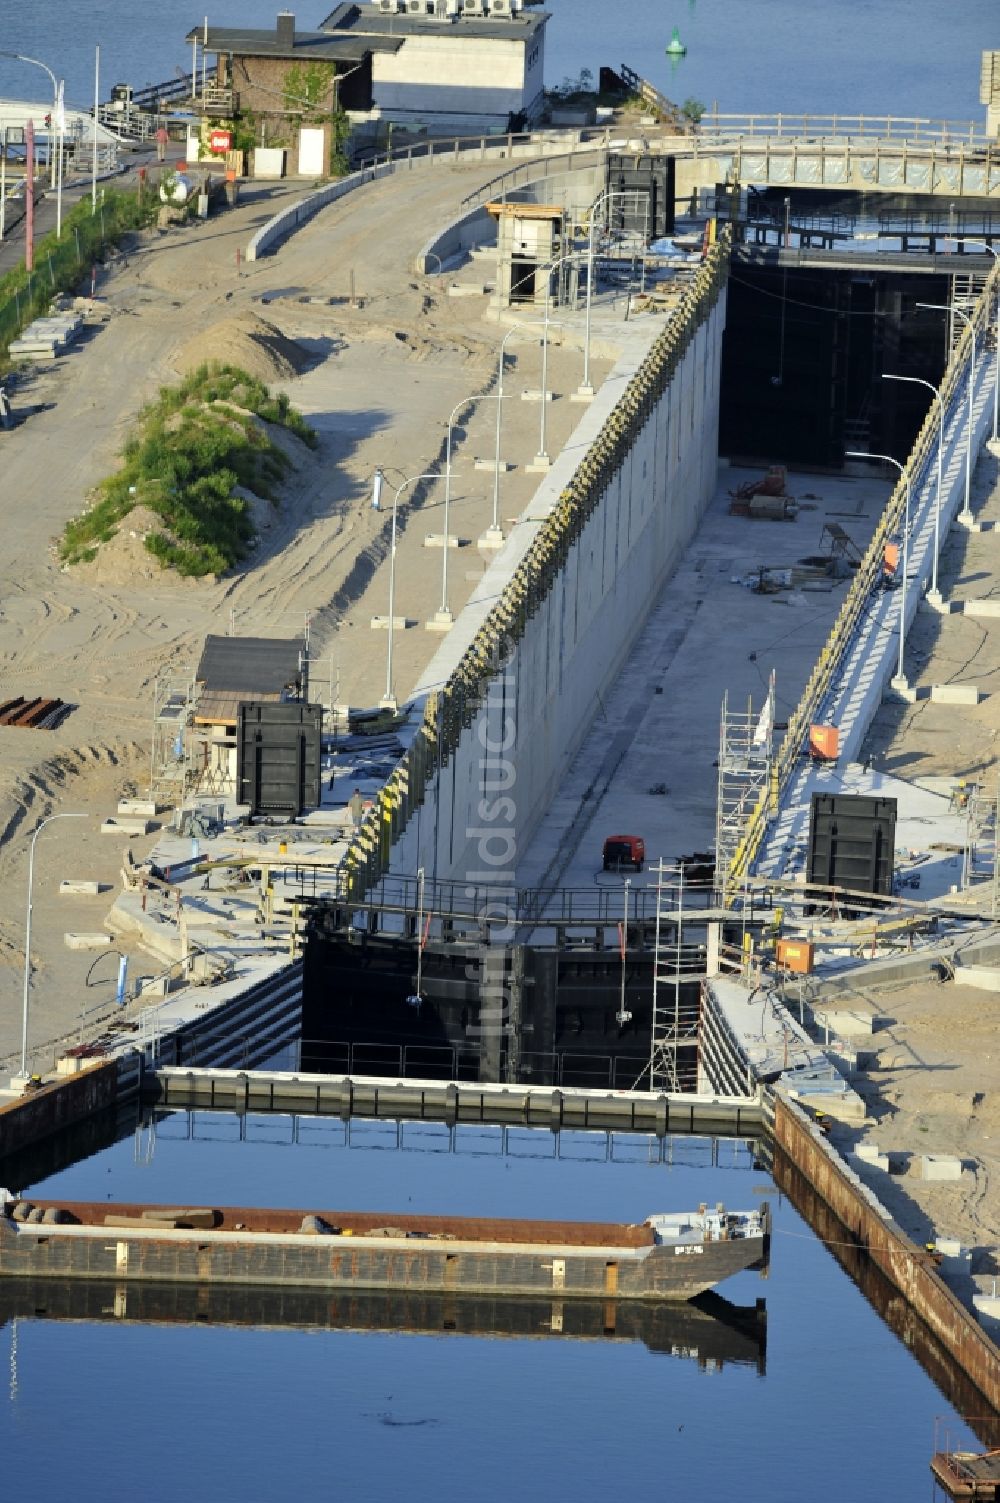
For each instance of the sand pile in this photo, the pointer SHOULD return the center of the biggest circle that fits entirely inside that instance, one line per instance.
(125, 558)
(253, 344)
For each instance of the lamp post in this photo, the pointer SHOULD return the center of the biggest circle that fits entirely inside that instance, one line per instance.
(20, 57)
(444, 618)
(933, 594)
(996, 382)
(493, 536)
(965, 515)
(900, 682)
(27, 937)
(388, 700)
(541, 460)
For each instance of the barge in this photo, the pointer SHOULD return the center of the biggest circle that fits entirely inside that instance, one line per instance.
(674, 1256)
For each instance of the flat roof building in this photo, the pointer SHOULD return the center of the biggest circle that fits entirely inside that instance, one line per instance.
(461, 64)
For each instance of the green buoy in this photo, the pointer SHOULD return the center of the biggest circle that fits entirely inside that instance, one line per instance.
(675, 47)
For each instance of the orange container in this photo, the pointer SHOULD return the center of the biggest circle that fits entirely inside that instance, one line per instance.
(795, 955)
(824, 743)
(890, 559)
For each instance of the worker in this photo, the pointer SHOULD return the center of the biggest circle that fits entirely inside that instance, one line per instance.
(161, 138)
(890, 565)
(356, 806)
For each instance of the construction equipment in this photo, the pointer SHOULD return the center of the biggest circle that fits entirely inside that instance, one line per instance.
(765, 499)
(624, 850)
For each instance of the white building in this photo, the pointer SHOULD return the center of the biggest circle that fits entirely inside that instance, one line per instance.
(465, 65)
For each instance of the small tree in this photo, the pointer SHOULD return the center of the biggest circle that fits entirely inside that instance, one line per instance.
(692, 109)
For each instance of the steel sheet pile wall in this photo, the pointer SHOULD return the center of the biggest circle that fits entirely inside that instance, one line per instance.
(908, 1267)
(62, 1104)
(571, 607)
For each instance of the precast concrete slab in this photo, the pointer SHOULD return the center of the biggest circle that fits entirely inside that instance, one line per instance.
(94, 941)
(81, 887)
(939, 1167)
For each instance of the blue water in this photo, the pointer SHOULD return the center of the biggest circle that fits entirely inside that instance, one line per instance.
(903, 57)
(842, 1413)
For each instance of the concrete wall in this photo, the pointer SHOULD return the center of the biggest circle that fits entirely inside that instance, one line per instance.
(485, 803)
(453, 75)
(462, 235)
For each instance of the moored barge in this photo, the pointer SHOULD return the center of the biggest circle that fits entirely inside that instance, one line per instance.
(672, 1257)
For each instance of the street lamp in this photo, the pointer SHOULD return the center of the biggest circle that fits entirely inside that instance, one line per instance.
(388, 700)
(899, 683)
(21, 58)
(445, 617)
(996, 382)
(933, 594)
(965, 515)
(27, 938)
(493, 536)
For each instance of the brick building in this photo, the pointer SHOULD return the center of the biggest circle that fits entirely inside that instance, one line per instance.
(282, 74)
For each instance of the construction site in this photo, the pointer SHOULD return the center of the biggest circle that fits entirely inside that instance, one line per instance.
(561, 730)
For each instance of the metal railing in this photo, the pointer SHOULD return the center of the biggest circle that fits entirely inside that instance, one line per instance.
(855, 605)
(901, 128)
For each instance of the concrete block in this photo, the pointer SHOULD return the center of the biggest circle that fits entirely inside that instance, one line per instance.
(399, 623)
(79, 887)
(533, 394)
(986, 978)
(939, 1166)
(851, 1061)
(153, 986)
(868, 1152)
(955, 1259)
(987, 1308)
(481, 289)
(981, 608)
(954, 694)
(148, 808)
(87, 941)
(845, 1022)
(490, 465)
(436, 540)
(125, 826)
(871, 1161)
(71, 1064)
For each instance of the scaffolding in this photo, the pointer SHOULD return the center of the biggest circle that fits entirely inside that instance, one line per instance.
(675, 1022)
(173, 703)
(745, 749)
(979, 857)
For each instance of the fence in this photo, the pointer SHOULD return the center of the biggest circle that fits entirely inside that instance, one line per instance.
(866, 580)
(59, 262)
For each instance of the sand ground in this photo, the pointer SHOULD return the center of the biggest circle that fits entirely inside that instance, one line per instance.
(936, 1089)
(377, 381)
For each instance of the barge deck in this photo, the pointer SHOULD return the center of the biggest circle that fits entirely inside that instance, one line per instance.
(671, 1256)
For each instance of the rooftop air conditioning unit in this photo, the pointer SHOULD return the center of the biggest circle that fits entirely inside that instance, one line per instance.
(475, 7)
(500, 7)
(389, 6)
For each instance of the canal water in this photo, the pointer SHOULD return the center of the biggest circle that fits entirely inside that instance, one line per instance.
(110, 1407)
(903, 57)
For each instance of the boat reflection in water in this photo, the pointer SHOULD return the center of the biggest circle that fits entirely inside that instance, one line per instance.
(707, 1330)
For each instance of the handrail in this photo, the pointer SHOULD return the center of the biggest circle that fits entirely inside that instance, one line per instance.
(841, 637)
(885, 127)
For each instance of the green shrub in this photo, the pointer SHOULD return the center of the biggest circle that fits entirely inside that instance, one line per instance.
(195, 444)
